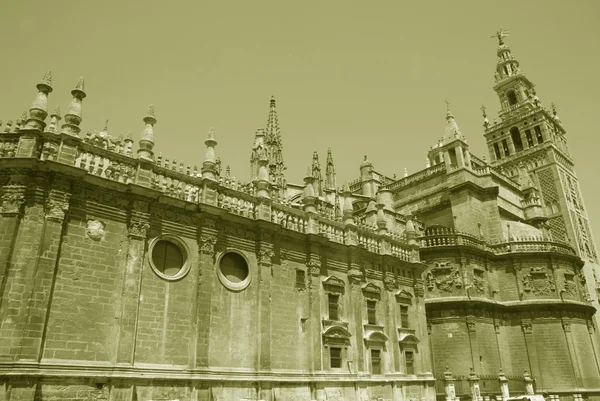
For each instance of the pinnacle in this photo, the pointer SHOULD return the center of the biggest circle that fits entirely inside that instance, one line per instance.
(211, 134)
(56, 111)
(150, 112)
(272, 102)
(80, 84)
(47, 79)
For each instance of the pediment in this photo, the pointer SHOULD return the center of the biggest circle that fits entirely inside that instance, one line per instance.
(337, 333)
(334, 283)
(371, 290)
(404, 296)
(408, 338)
(376, 337)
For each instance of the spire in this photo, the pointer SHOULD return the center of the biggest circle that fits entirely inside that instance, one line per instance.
(39, 107)
(507, 65)
(54, 119)
(146, 143)
(329, 172)
(73, 114)
(274, 145)
(316, 174)
(452, 131)
(209, 166)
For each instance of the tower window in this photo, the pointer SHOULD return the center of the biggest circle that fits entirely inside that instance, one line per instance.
(333, 306)
(497, 151)
(538, 134)
(375, 361)
(372, 312)
(512, 97)
(529, 138)
(505, 148)
(516, 138)
(404, 320)
(409, 359)
(335, 357)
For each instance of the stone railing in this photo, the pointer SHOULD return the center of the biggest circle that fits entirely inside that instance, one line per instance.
(103, 157)
(442, 237)
(420, 176)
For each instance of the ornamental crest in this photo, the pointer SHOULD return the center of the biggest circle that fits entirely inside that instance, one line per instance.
(443, 277)
(538, 282)
(95, 230)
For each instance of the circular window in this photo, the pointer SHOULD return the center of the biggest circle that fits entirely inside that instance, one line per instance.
(233, 271)
(169, 257)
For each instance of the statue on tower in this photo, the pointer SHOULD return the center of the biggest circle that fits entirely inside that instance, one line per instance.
(500, 34)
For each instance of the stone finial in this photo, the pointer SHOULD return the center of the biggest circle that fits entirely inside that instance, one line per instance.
(308, 194)
(348, 210)
(73, 115)
(146, 143)
(209, 166)
(54, 119)
(39, 108)
(329, 172)
(427, 162)
(405, 172)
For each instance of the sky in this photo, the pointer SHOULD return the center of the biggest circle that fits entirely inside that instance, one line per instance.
(363, 78)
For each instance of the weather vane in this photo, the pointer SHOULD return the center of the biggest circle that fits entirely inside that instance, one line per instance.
(501, 34)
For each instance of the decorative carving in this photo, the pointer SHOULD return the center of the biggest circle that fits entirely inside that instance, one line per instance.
(590, 326)
(57, 205)
(314, 265)
(404, 297)
(471, 323)
(526, 326)
(355, 276)
(430, 280)
(12, 199)
(444, 277)
(570, 286)
(479, 284)
(334, 284)
(497, 326)
(265, 255)
(419, 288)
(207, 244)
(389, 281)
(566, 326)
(538, 282)
(95, 230)
(138, 229)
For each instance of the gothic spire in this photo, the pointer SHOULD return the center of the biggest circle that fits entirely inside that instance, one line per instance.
(258, 149)
(330, 172)
(452, 131)
(73, 114)
(146, 143)
(39, 107)
(274, 146)
(316, 174)
(209, 166)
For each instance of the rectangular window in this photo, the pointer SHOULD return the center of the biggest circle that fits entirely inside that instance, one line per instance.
(404, 321)
(333, 306)
(529, 138)
(372, 312)
(505, 148)
(410, 362)
(300, 279)
(538, 134)
(335, 357)
(497, 151)
(375, 362)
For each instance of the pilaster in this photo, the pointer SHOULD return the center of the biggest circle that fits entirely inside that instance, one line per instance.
(313, 267)
(138, 225)
(265, 264)
(355, 279)
(56, 208)
(207, 240)
(527, 329)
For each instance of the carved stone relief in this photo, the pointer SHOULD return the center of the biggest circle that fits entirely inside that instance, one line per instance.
(444, 277)
(538, 281)
(95, 230)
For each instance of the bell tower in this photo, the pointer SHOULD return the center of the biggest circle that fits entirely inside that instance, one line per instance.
(531, 136)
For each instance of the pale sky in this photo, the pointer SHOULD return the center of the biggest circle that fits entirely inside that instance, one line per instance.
(359, 77)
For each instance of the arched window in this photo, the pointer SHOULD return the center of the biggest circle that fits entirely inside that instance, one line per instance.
(516, 138)
(512, 97)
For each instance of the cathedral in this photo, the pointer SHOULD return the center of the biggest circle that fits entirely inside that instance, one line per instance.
(125, 276)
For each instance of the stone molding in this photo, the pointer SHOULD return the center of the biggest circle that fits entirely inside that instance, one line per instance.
(13, 198)
(57, 205)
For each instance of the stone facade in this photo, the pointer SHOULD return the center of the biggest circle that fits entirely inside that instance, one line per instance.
(131, 277)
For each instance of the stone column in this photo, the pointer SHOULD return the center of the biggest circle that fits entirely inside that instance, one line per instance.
(138, 225)
(449, 385)
(11, 209)
(207, 239)
(355, 278)
(528, 383)
(265, 264)
(503, 385)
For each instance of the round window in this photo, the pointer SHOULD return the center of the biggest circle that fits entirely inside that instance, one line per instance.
(169, 257)
(233, 271)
